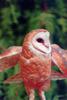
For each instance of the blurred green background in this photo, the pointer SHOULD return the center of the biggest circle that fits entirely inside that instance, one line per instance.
(18, 17)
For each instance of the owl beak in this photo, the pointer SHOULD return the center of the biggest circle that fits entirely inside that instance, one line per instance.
(46, 45)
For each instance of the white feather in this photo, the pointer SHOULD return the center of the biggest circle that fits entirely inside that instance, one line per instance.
(38, 48)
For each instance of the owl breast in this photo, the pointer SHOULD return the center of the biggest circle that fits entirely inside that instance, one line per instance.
(35, 70)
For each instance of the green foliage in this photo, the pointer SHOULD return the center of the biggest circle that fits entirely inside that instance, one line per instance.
(42, 20)
(16, 19)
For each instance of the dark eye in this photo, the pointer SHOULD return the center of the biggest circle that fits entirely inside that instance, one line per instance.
(40, 40)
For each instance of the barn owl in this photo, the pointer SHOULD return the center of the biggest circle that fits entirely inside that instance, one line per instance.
(35, 59)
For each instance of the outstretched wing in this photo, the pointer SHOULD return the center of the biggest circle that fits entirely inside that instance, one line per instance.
(59, 58)
(14, 79)
(10, 57)
(57, 75)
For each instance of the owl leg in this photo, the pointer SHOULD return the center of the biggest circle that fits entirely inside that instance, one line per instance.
(30, 93)
(42, 96)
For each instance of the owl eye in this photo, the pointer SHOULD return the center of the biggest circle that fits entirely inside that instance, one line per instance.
(40, 40)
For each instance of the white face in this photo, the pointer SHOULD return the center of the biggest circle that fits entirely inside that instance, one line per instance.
(40, 43)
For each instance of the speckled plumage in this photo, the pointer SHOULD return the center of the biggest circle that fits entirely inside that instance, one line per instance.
(35, 64)
(36, 73)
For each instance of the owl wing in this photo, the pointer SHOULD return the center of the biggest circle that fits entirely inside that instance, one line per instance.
(14, 79)
(10, 57)
(57, 76)
(59, 59)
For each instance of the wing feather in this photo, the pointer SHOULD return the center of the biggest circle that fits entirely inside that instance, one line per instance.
(57, 75)
(10, 57)
(59, 58)
(14, 79)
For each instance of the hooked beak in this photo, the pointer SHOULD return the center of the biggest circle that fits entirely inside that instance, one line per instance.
(47, 45)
